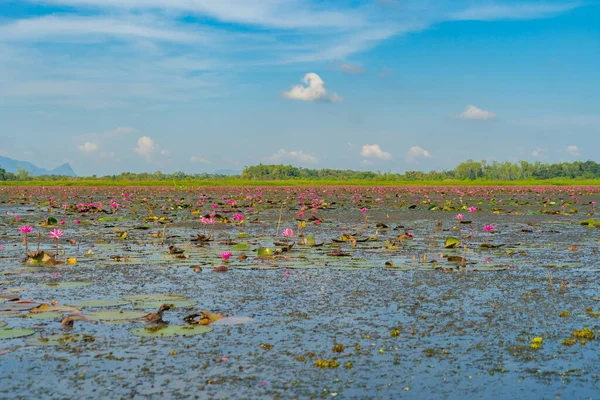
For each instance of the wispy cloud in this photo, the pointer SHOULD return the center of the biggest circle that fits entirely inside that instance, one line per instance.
(52, 28)
(296, 156)
(498, 11)
(349, 67)
(174, 51)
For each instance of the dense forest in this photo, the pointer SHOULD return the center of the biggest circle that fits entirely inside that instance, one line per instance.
(468, 171)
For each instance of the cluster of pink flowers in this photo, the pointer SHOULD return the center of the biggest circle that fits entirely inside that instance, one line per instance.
(238, 217)
(210, 220)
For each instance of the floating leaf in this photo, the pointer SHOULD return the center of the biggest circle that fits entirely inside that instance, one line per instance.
(99, 303)
(165, 331)
(451, 243)
(13, 333)
(115, 315)
(74, 284)
(164, 297)
(265, 252)
(177, 303)
(45, 315)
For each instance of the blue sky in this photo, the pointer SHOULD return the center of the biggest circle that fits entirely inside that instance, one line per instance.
(390, 85)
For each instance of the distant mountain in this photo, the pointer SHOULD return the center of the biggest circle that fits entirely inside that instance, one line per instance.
(10, 165)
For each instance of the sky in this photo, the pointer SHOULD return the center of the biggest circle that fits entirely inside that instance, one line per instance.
(206, 85)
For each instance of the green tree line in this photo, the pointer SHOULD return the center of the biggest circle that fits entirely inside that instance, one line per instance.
(468, 171)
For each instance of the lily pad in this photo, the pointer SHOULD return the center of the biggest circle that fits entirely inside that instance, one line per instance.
(45, 315)
(99, 303)
(164, 331)
(69, 284)
(12, 306)
(2, 324)
(45, 308)
(13, 333)
(265, 252)
(164, 297)
(155, 304)
(114, 315)
(451, 243)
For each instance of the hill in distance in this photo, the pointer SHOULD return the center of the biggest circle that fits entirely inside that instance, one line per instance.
(10, 165)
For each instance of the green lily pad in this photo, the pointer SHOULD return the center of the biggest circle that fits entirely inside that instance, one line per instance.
(156, 304)
(45, 315)
(13, 333)
(164, 297)
(241, 247)
(114, 315)
(265, 252)
(164, 331)
(12, 306)
(99, 303)
(69, 284)
(451, 243)
(2, 324)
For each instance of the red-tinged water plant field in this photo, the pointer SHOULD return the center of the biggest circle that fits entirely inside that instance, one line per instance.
(299, 292)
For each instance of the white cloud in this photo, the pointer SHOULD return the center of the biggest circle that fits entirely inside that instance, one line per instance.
(373, 150)
(89, 147)
(46, 28)
(416, 153)
(148, 148)
(491, 12)
(313, 91)
(298, 156)
(474, 113)
(573, 150)
(270, 13)
(199, 160)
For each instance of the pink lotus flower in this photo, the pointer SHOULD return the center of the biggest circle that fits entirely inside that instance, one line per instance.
(77, 221)
(459, 217)
(56, 234)
(300, 215)
(489, 228)
(26, 229)
(363, 210)
(62, 222)
(225, 255)
(238, 217)
(472, 209)
(287, 232)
